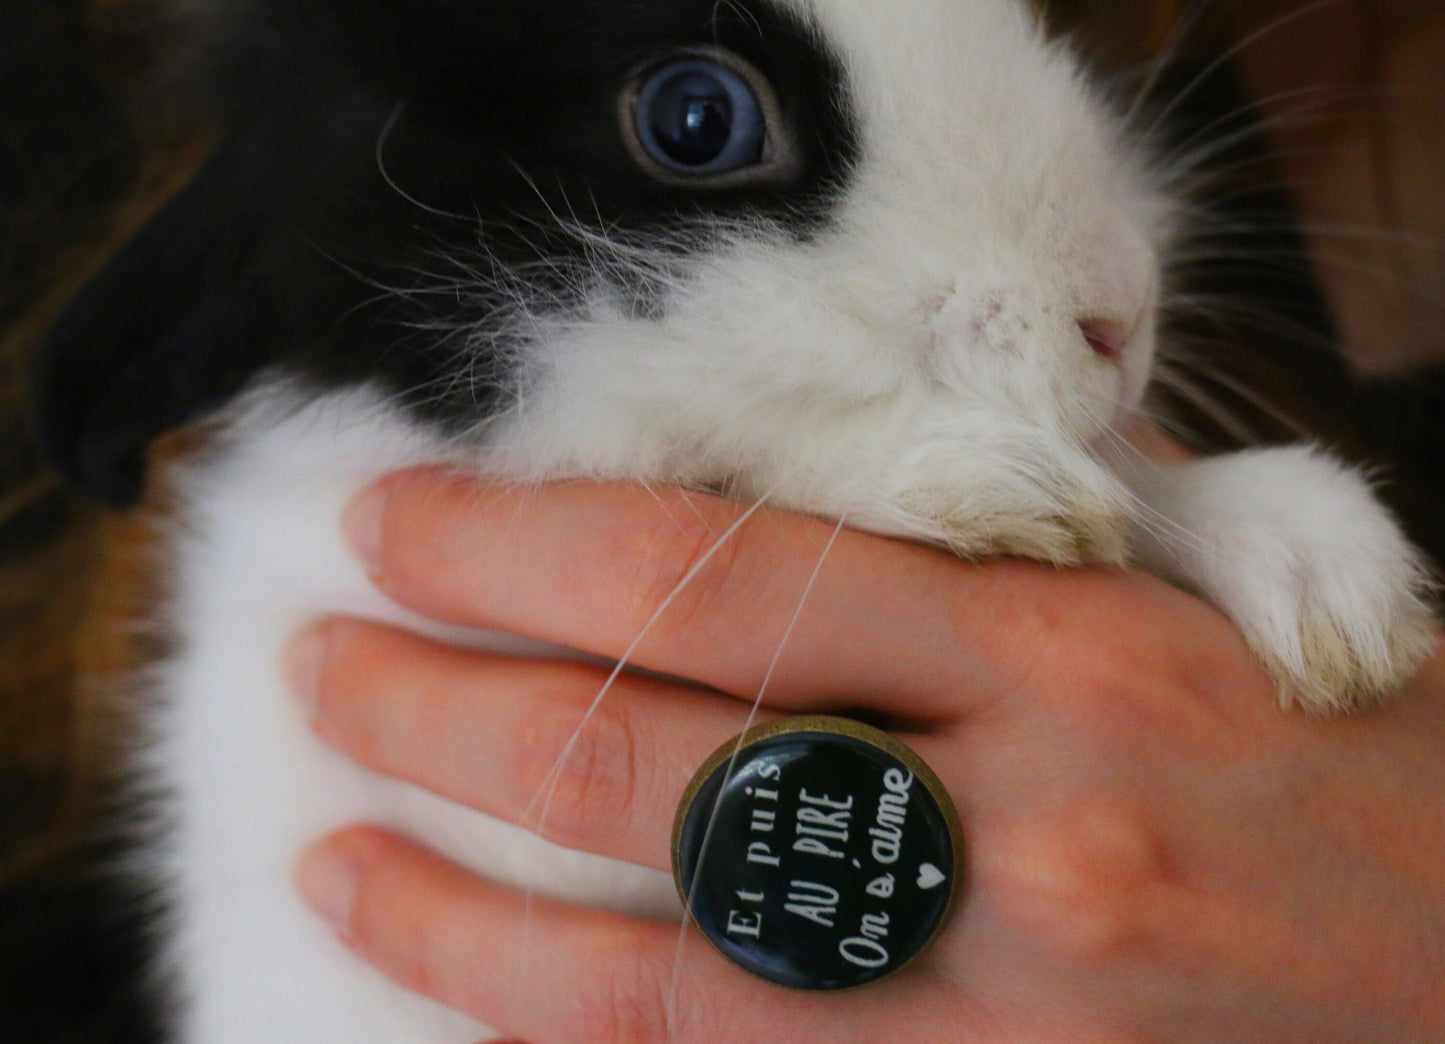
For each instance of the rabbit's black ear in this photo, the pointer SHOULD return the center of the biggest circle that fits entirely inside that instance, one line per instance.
(172, 327)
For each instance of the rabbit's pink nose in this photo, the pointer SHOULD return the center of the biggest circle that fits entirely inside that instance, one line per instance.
(1105, 336)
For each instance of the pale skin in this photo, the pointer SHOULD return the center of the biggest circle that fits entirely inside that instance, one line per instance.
(1157, 850)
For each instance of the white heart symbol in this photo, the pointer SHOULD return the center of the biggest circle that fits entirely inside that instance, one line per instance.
(929, 876)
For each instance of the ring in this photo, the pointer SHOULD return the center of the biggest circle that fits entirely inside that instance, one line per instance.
(817, 853)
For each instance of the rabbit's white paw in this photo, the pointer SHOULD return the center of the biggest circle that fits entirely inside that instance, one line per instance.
(1297, 550)
(1030, 495)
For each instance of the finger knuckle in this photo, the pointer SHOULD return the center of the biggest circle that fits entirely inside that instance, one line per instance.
(584, 763)
(1081, 885)
(630, 1004)
(683, 560)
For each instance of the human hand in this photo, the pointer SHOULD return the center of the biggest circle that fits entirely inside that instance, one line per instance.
(1156, 850)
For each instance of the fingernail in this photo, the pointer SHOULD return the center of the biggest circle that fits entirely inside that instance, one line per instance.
(302, 664)
(327, 881)
(361, 524)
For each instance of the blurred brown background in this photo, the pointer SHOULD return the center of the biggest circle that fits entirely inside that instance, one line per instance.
(1322, 309)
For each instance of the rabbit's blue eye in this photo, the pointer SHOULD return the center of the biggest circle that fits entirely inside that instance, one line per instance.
(696, 116)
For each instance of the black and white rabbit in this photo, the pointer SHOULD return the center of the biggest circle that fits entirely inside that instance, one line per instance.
(898, 263)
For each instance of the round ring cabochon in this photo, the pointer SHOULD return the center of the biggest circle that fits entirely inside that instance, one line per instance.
(821, 854)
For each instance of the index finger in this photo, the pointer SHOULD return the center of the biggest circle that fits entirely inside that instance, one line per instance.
(721, 593)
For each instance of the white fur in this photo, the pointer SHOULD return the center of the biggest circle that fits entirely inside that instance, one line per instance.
(252, 786)
(1296, 550)
(917, 369)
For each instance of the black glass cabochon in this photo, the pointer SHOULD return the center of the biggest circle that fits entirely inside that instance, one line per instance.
(833, 857)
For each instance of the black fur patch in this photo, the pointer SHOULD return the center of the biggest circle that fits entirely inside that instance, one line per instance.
(284, 250)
